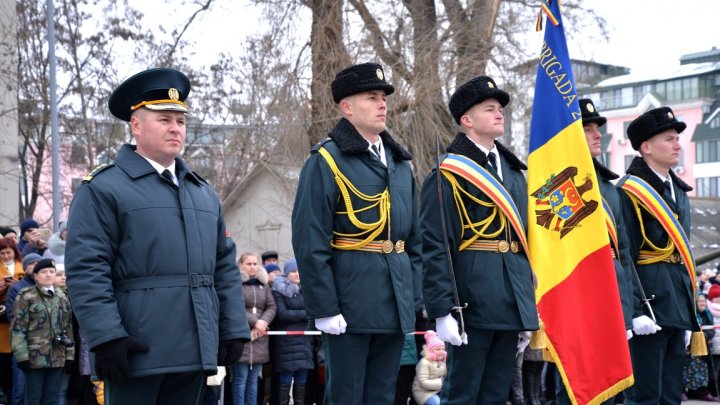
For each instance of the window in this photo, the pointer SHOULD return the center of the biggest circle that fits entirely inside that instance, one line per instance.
(626, 124)
(628, 160)
(708, 151)
(707, 186)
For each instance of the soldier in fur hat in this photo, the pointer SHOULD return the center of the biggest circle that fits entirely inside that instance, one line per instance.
(656, 212)
(491, 267)
(361, 289)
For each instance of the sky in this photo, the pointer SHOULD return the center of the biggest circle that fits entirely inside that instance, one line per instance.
(645, 35)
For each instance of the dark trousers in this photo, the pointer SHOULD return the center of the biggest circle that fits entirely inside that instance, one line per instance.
(403, 386)
(657, 361)
(170, 389)
(361, 368)
(481, 371)
(42, 386)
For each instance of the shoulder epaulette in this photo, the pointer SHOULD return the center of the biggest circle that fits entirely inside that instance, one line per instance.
(26, 290)
(319, 145)
(97, 170)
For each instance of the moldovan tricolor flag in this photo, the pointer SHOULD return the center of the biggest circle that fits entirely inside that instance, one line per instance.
(577, 294)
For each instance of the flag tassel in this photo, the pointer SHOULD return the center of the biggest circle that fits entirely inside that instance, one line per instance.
(698, 346)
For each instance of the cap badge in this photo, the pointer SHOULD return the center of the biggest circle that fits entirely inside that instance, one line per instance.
(670, 115)
(379, 74)
(491, 85)
(173, 94)
(590, 108)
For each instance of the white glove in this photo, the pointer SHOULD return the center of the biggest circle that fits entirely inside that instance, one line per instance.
(688, 334)
(643, 325)
(628, 334)
(523, 341)
(448, 331)
(334, 325)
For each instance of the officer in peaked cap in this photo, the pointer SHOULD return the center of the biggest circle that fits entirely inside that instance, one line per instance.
(500, 302)
(151, 268)
(661, 338)
(362, 288)
(158, 89)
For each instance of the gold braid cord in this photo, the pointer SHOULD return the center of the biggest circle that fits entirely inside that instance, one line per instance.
(381, 201)
(478, 228)
(662, 253)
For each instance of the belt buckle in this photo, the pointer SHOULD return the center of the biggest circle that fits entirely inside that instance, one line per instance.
(194, 280)
(503, 246)
(400, 246)
(387, 246)
(514, 246)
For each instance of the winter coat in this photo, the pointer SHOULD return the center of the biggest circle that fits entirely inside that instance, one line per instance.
(428, 380)
(497, 287)
(153, 260)
(409, 352)
(290, 353)
(375, 292)
(623, 262)
(259, 305)
(669, 284)
(38, 318)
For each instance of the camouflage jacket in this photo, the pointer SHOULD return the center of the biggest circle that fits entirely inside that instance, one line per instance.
(38, 318)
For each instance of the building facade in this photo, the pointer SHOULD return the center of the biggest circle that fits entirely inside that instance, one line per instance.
(692, 90)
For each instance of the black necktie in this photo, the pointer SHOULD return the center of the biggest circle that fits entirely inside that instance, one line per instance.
(668, 188)
(491, 160)
(166, 173)
(377, 152)
(50, 292)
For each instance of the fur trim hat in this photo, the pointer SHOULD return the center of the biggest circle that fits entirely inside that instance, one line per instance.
(30, 258)
(652, 123)
(590, 114)
(714, 291)
(290, 266)
(359, 78)
(28, 224)
(473, 92)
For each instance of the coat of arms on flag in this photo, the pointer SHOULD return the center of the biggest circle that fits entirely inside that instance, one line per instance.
(560, 202)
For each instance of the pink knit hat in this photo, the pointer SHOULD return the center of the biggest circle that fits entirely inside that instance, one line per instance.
(432, 341)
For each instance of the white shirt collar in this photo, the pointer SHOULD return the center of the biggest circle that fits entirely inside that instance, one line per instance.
(160, 168)
(487, 152)
(664, 179)
(381, 149)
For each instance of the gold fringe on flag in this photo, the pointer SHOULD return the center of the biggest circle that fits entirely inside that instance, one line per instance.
(538, 339)
(698, 346)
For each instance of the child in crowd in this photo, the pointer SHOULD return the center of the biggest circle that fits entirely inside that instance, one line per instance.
(430, 371)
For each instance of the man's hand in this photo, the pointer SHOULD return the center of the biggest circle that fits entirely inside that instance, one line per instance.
(111, 358)
(643, 325)
(448, 330)
(230, 351)
(628, 334)
(334, 325)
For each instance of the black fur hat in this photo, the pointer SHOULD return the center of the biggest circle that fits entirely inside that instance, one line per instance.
(652, 123)
(473, 92)
(360, 78)
(590, 113)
